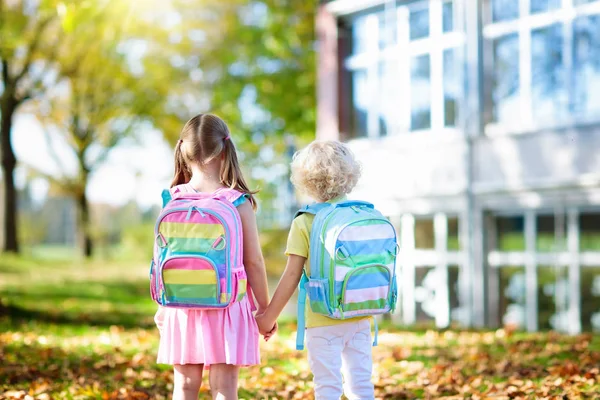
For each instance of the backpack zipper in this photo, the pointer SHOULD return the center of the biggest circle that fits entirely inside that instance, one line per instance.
(212, 264)
(378, 266)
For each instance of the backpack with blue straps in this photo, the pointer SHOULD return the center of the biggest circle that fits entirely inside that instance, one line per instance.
(353, 250)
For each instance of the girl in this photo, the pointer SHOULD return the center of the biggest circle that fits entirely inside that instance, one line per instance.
(326, 171)
(222, 340)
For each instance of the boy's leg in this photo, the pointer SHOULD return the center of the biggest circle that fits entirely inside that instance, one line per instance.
(325, 345)
(357, 363)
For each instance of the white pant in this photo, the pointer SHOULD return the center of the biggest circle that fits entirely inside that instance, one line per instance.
(341, 349)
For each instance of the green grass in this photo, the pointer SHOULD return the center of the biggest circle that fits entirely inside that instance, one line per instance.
(73, 330)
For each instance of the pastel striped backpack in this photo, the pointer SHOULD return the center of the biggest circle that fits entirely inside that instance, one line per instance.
(198, 261)
(353, 251)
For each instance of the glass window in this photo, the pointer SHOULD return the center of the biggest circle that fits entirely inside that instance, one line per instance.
(551, 237)
(510, 233)
(590, 299)
(505, 91)
(586, 65)
(505, 10)
(453, 235)
(419, 23)
(448, 17)
(426, 284)
(387, 29)
(420, 92)
(553, 300)
(360, 102)
(549, 95)
(537, 6)
(453, 87)
(512, 296)
(376, 95)
(564, 86)
(457, 310)
(360, 35)
(589, 231)
(424, 236)
(388, 104)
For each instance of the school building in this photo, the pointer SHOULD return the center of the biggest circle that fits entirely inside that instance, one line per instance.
(478, 126)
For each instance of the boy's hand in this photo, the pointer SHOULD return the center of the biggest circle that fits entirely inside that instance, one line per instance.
(265, 328)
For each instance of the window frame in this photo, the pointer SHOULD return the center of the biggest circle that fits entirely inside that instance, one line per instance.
(401, 53)
(524, 26)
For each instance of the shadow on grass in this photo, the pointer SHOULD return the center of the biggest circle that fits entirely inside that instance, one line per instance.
(20, 316)
(86, 303)
(127, 292)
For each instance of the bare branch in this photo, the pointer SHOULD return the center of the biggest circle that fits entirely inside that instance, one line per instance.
(30, 93)
(35, 43)
(63, 182)
(52, 150)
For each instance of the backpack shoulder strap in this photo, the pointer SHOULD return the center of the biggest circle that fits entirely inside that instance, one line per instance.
(312, 209)
(166, 197)
(167, 194)
(231, 195)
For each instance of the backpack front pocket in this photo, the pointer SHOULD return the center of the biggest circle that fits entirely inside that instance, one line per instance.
(190, 281)
(366, 291)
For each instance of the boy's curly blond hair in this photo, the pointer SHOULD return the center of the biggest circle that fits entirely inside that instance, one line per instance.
(325, 170)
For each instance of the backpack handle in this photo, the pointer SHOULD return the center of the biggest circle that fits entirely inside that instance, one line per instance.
(221, 195)
(354, 203)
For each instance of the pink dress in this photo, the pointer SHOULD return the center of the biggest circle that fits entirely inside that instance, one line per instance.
(208, 337)
(228, 336)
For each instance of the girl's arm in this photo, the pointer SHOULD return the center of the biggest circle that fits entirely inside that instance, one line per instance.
(285, 289)
(253, 258)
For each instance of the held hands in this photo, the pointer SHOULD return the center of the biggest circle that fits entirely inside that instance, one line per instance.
(266, 328)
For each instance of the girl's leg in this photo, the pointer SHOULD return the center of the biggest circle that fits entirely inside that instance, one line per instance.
(187, 381)
(224, 381)
(357, 363)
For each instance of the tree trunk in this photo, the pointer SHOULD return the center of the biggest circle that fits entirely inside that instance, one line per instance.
(85, 235)
(9, 161)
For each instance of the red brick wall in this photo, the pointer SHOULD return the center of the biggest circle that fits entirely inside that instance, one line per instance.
(327, 75)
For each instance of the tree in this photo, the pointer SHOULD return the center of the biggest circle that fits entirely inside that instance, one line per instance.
(106, 95)
(28, 38)
(257, 60)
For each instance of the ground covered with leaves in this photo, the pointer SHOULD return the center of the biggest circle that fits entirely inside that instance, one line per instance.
(85, 332)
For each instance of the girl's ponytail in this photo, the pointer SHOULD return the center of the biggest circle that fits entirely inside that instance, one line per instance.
(231, 173)
(204, 138)
(182, 173)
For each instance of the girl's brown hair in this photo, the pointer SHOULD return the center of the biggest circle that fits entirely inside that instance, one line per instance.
(203, 138)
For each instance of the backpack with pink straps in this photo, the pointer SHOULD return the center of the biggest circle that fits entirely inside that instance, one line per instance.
(198, 257)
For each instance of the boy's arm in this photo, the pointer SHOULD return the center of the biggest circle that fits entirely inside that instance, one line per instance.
(285, 289)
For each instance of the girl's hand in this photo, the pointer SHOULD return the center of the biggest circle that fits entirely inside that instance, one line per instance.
(271, 333)
(266, 328)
